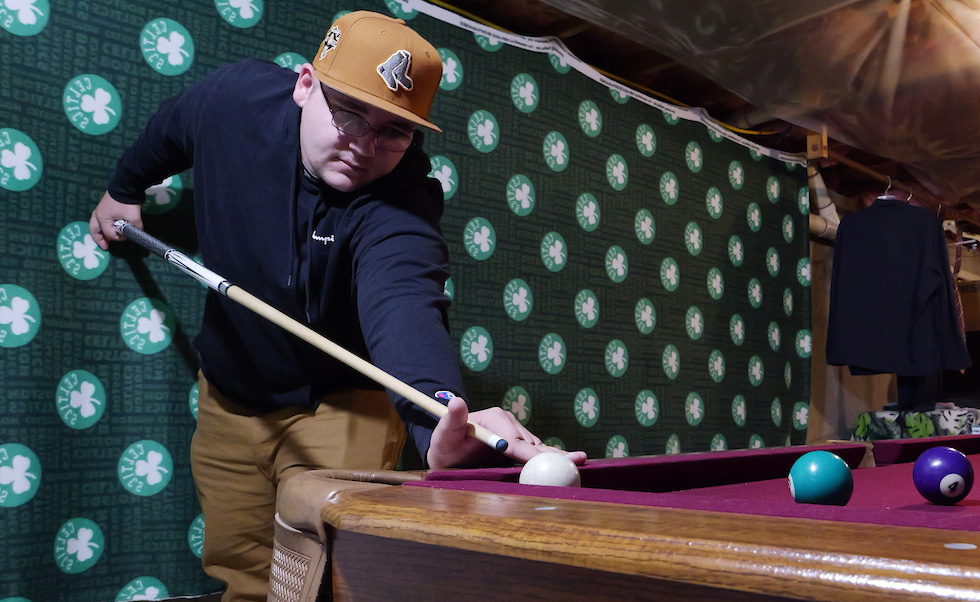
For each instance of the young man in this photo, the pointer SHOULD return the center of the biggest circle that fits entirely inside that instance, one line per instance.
(311, 192)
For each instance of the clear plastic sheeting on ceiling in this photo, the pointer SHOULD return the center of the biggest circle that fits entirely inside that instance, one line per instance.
(897, 78)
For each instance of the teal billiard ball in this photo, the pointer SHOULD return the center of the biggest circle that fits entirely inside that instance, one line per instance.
(821, 477)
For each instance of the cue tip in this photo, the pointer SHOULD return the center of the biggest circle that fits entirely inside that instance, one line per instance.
(499, 443)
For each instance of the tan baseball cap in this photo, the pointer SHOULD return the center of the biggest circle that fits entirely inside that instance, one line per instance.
(381, 61)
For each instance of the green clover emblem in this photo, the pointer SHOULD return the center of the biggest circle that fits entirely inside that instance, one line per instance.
(479, 238)
(646, 140)
(646, 407)
(803, 200)
(753, 216)
(559, 62)
(240, 13)
(694, 409)
(736, 175)
(756, 371)
(551, 353)
(147, 325)
(586, 407)
(586, 308)
(554, 253)
(736, 251)
(21, 165)
(163, 197)
(78, 254)
(755, 293)
(556, 151)
(803, 343)
(714, 202)
(452, 70)
(587, 212)
(776, 412)
(617, 173)
(617, 447)
(617, 264)
(25, 18)
(476, 348)
(645, 316)
(444, 170)
(738, 410)
(671, 362)
(772, 189)
(772, 261)
(590, 118)
(520, 195)
(20, 474)
(483, 131)
(78, 545)
(801, 415)
(145, 468)
(518, 300)
(92, 104)
(644, 226)
(617, 358)
(670, 274)
(694, 157)
(167, 47)
(774, 336)
(694, 323)
(20, 316)
(716, 366)
(715, 284)
(517, 401)
(736, 327)
(693, 239)
(524, 93)
(803, 271)
(670, 188)
(81, 399)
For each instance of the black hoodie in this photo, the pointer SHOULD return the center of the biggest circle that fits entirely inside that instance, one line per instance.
(366, 269)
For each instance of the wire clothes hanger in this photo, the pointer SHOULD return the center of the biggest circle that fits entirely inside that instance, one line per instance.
(888, 194)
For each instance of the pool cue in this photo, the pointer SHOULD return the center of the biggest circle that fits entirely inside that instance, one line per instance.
(243, 297)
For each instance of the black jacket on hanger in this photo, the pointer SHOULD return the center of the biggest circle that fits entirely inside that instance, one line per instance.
(891, 295)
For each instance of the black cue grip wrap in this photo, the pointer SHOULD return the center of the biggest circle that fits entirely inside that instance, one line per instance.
(141, 238)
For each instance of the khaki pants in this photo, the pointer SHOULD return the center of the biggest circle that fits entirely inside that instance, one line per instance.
(239, 458)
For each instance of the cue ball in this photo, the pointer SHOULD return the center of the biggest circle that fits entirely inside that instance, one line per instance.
(942, 475)
(821, 477)
(550, 468)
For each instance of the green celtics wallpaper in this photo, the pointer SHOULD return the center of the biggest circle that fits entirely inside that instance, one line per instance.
(628, 277)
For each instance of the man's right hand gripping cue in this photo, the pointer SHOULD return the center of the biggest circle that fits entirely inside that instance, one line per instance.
(106, 213)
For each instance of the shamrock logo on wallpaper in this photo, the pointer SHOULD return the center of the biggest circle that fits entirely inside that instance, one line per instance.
(27, 13)
(18, 160)
(16, 315)
(82, 545)
(17, 474)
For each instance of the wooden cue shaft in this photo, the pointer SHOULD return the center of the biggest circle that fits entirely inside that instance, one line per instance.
(240, 295)
(243, 297)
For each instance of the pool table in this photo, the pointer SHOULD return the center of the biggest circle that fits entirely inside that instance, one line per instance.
(703, 526)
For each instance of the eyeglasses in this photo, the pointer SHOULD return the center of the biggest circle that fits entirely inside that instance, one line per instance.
(352, 124)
